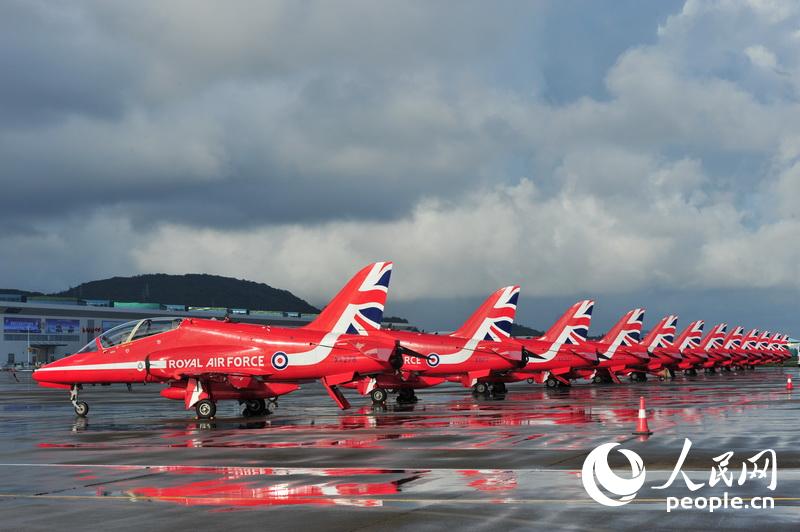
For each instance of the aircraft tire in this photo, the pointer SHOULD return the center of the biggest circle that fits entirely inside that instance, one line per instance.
(551, 382)
(481, 388)
(378, 395)
(81, 408)
(406, 395)
(499, 388)
(205, 409)
(255, 408)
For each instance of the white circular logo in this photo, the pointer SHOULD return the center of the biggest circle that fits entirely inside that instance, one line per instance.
(280, 360)
(140, 366)
(433, 360)
(597, 471)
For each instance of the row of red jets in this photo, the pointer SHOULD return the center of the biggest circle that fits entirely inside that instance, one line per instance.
(204, 361)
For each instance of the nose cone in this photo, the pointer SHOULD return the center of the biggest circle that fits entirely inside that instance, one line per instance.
(49, 373)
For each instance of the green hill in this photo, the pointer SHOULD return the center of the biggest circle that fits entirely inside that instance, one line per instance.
(199, 290)
(521, 330)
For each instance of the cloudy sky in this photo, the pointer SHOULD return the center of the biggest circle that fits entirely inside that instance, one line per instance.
(640, 153)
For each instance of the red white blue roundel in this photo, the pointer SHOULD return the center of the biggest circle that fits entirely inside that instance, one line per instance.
(280, 360)
(433, 360)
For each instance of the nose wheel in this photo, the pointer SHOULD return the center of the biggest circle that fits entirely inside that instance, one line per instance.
(205, 409)
(378, 396)
(81, 407)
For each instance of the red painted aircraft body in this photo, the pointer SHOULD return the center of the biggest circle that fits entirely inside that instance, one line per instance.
(203, 361)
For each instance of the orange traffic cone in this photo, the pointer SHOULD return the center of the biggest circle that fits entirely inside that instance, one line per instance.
(641, 424)
(789, 385)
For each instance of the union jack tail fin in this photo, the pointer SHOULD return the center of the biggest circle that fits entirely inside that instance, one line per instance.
(358, 307)
(691, 336)
(750, 339)
(573, 326)
(715, 337)
(763, 340)
(493, 319)
(663, 334)
(628, 330)
(734, 338)
(776, 340)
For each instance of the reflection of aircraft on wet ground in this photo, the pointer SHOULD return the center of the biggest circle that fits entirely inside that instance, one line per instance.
(204, 361)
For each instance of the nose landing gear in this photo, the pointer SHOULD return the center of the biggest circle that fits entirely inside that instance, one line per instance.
(206, 409)
(81, 407)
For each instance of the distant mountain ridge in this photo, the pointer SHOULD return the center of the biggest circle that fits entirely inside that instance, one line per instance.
(194, 289)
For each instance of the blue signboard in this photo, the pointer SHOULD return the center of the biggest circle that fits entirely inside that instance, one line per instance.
(22, 325)
(62, 326)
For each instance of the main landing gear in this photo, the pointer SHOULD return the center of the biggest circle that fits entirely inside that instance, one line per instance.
(497, 389)
(480, 388)
(406, 396)
(552, 382)
(259, 407)
(81, 407)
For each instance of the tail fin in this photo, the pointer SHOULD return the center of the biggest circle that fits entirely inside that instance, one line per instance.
(358, 307)
(691, 336)
(628, 330)
(573, 326)
(663, 334)
(750, 339)
(493, 319)
(734, 338)
(776, 340)
(714, 338)
(763, 340)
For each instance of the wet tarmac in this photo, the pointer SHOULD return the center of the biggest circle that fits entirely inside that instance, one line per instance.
(142, 462)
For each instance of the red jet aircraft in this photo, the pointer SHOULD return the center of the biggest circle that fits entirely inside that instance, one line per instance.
(620, 351)
(472, 355)
(687, 346)
(203, 361)
(706, 350)
(561, 353)
(748, 355)
(663, 355)
(725, 354)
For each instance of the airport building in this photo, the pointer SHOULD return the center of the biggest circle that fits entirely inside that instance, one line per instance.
(41, 329)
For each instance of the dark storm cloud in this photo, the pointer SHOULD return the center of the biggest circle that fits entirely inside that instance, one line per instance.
(56, 62)
(276, 112)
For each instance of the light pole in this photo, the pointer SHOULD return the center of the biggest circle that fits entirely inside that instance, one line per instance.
(28, 328)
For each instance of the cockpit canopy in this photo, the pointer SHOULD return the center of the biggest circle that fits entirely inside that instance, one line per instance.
(133, 330)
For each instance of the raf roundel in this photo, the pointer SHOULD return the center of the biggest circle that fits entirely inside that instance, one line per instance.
(433, 360)
(280, 360)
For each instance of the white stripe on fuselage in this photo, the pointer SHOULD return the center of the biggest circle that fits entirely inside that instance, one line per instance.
(93, 367)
